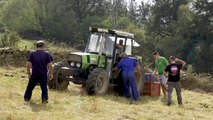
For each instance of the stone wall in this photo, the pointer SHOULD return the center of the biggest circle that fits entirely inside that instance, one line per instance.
(9, 56)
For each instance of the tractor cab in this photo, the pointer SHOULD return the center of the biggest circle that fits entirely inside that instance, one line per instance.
(110, 43)
(106, 41)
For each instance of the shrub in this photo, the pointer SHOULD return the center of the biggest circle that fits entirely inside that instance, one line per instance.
(9, 39)
(194, 81)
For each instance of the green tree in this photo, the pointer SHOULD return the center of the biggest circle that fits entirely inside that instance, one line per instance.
(203, 27)
(19, 15)
(83, 8)
(143, 13)
(57, 20)
(133, 15)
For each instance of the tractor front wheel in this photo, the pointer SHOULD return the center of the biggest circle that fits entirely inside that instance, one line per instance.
(98, 82)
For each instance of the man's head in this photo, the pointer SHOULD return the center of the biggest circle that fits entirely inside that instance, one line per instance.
(172, 59)
(156, 55)
(119, 45)
(40, 44)
(120, 42)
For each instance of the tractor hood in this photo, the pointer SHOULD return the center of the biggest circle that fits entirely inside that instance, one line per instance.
(86, 59)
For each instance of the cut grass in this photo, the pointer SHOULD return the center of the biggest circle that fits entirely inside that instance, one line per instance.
(74, 104)
(50, 46)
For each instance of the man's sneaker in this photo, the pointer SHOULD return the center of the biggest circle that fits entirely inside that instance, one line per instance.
(181, 105)
(127, 97)
(26, 99)
(168, 104)
(134, 102)
(44, 101)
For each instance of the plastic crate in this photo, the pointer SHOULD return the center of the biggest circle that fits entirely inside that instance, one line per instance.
(149, 77)
(151, 88)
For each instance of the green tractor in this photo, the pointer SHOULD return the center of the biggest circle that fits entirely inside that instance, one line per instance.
(93, 68)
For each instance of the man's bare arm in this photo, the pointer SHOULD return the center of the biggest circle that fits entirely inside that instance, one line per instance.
(154, 72)
(50, 69)
(181, 61)
(139, 69)
(29, 67)
(165, 73)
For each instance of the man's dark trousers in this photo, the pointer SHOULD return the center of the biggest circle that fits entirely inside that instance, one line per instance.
(129, 81)
(34, 80)
(176, 85)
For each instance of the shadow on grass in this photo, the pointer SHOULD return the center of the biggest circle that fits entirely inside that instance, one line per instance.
(164, 100)
(143, 99)
(146, 99)
(36, 107)
(77, 90)
(122, 100)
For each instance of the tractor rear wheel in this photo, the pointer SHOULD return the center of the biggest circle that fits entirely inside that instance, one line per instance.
(59, 81)
(140, 80)
(98, 82)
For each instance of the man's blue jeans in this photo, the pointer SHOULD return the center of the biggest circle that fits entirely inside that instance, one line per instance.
(130, 82)
(34, 80)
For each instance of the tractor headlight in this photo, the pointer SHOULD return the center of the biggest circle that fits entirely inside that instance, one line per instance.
(78, 65)
(72, 64)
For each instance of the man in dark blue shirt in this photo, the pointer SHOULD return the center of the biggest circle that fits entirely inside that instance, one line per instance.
(41, 64)
(127, 66)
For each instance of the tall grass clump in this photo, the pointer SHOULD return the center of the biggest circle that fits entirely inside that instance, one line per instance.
(58, 46)
(195, 81)
(9, 39)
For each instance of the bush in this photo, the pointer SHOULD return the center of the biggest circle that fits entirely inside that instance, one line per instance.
(193, 81)
(9, 39)
(2, 28)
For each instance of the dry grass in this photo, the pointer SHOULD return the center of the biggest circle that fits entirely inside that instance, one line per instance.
(50, 46)
(74, 104)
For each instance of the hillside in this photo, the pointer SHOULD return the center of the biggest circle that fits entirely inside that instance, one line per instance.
(50, 46)
(74, 104)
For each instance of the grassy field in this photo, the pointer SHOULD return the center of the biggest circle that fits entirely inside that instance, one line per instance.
(74, 104)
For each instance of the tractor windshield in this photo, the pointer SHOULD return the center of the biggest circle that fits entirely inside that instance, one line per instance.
(104, 43)
(99, 42)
